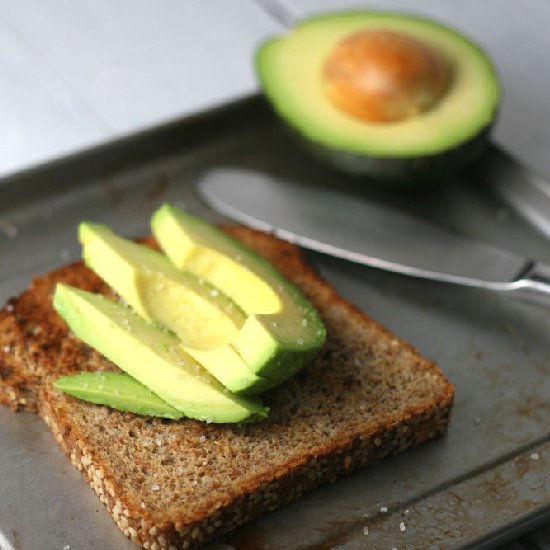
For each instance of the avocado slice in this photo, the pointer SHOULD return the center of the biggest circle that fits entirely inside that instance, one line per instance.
(438, 140)
(152, 356)
(152, 286)
(283, 331)
(117, 390)
(204, 319)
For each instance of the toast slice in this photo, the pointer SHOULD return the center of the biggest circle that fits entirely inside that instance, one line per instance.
(179, 484)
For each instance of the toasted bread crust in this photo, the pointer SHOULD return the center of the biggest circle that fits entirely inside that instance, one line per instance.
(32, 334)
(367, 395)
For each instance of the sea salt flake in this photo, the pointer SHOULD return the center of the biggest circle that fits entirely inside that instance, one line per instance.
(383, 509)
(155, 487)
(365, 530)
(202, 438)
(402, 526)
(535, 456)
(66, 547)
(6, 349)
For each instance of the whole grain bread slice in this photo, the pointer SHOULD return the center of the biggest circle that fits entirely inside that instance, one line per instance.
(179, 484)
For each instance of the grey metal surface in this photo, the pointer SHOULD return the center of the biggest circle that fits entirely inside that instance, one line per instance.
(484, 482)
(527, 193)
(353, 228)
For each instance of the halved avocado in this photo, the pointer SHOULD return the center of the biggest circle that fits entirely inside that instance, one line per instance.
(292, 70)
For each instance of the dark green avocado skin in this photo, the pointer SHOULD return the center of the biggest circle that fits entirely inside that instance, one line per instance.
(399, 171)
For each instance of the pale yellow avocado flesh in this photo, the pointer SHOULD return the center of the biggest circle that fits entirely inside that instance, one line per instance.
(152, 356)
(203, 318)
(282, 331)
(290, 70)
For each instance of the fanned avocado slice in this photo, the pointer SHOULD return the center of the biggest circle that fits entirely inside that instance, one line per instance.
(292, 67)
(202, 316)
(283, 331)
(205, 320)
(152, 356)
(117, 390)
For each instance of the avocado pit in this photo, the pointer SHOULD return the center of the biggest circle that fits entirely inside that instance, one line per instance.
(384, 76)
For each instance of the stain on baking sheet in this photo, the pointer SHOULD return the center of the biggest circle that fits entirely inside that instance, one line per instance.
(158, 189)
(502, 493)
(16, 538)
(113, 193)
(249, 537)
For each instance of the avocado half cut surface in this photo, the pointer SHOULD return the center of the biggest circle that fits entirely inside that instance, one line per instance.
(283, 331)
(438, 140)
(205, 320)
(151, 356)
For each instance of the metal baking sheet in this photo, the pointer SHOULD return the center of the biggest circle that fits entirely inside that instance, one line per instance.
(486, 481)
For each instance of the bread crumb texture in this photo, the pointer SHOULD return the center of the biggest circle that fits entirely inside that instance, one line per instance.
(180, 484)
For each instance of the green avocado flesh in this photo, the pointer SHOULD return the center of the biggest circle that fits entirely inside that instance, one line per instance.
(204, 319)
(117, 390)
(152, 356)
(290, 71)
(282, 331)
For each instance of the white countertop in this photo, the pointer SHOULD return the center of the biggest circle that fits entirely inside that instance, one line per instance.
(76, 74)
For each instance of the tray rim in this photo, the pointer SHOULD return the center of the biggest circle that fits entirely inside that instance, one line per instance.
(81, 166)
